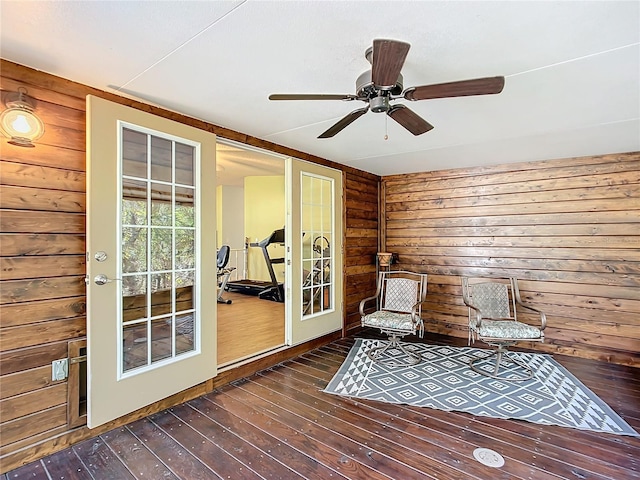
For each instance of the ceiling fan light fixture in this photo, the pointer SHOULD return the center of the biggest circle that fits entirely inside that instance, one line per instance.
(379, 104)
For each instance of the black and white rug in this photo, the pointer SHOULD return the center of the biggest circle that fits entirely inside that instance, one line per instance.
(443, 380)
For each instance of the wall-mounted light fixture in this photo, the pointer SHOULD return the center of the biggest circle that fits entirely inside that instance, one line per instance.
(19, 122)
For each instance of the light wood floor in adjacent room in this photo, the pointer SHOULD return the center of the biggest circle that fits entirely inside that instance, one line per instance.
(248, 326)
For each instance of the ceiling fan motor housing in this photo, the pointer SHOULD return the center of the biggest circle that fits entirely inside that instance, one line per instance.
(366, 89)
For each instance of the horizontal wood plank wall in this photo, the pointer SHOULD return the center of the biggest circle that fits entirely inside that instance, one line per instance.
(568, 229)
(361, 243)
(42, 245)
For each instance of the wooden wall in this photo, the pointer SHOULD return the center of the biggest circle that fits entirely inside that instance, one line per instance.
(42, 245)
(568, 229)
(42, 292)
(361, 245)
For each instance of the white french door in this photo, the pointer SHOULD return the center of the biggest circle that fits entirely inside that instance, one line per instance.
(151, 283)
(315, 253)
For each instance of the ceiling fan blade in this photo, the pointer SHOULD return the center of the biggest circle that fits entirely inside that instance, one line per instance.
(463, 88)
(344, 122)
(388, 59)
(310, 96)
(409, 119)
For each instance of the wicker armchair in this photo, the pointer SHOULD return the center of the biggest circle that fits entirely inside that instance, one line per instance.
(398, 313)
(493, 309)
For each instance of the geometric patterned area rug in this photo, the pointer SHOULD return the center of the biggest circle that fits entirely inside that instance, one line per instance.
(443, 380)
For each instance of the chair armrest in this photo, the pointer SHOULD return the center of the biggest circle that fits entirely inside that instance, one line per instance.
(416, 317)
(477, 312)
(363, 302)
(415, 309)
(543, 317)
(516, 291)
(467, 302)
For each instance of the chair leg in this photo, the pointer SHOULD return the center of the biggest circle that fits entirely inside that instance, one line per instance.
(502, 356)
(376, 353)
(498, 360)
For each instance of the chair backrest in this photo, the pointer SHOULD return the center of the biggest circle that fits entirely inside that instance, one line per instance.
(494, 298)
(223, 256)
(400, 290)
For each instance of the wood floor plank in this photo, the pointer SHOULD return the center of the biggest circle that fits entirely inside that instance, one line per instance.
(201, 446)
(327, 453)
(31, 471)
(265, 444)
(558, 449)
(342, 447)
(100, 460)
(358, 429)
(141, 461)
(66, 466)
(172, 454)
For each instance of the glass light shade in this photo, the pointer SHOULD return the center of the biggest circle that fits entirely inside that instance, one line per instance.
(21, 125)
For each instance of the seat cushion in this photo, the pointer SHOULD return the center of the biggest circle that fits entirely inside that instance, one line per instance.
(384, 319)
(507, 329)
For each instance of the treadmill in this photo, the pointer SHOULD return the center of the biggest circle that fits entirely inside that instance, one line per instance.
(267, 290)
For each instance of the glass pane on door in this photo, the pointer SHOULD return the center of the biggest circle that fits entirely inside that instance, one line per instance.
(158, 232)
(316, 212)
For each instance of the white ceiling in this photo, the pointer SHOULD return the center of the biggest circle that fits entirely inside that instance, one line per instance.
(234, 162)
(572, 70)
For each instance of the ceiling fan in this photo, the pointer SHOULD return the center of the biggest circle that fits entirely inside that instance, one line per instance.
(382, 85)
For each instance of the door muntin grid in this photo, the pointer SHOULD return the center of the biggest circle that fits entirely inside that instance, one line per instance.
(317, 244)
(159, 272)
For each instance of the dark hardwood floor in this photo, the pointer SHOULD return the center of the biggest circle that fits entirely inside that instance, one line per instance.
(278, 424)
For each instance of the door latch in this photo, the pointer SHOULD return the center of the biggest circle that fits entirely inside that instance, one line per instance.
(102, 279)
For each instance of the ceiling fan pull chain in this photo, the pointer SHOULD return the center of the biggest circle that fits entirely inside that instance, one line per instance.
(386, 137)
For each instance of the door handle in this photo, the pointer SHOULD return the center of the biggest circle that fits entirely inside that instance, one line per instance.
(102, 279)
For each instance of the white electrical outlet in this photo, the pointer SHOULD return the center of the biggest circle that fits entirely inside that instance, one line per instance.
(59, 369)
